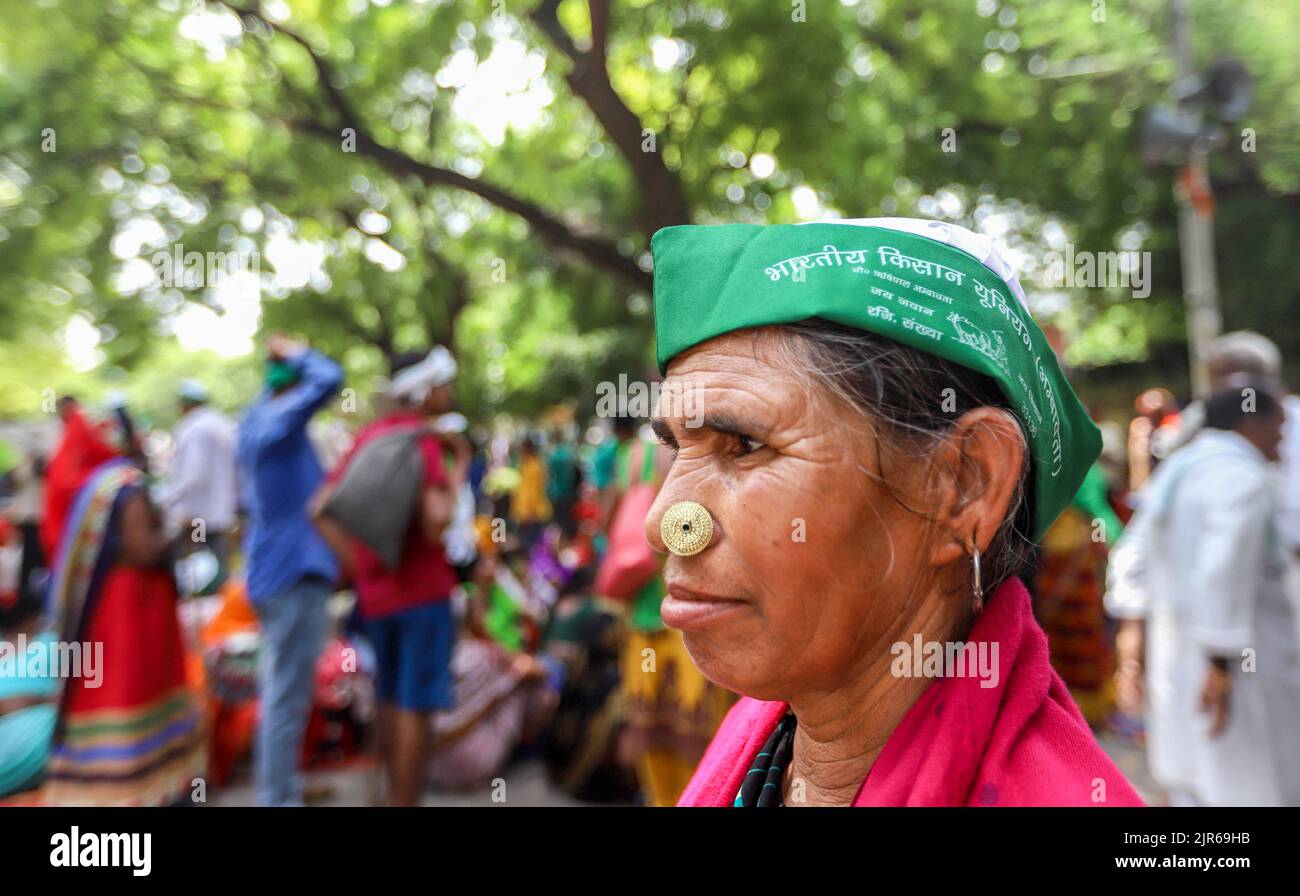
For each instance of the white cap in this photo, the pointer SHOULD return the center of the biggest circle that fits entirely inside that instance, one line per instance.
(193, 390)
(415, 382)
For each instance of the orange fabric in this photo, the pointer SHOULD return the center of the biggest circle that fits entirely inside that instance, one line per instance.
(236, 615)
(230, 726)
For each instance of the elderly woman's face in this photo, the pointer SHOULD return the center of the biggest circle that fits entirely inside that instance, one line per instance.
(812, 562)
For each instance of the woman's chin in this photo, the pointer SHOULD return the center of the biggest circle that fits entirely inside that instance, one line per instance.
(730, 665)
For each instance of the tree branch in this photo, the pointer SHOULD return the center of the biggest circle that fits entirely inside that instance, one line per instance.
(599, 252)
(458, 299)
(599, 12)
(324, 72)
(663, 200)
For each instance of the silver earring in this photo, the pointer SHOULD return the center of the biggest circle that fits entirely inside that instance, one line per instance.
(977, 586)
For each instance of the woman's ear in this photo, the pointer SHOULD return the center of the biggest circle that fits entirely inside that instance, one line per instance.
(980, 466)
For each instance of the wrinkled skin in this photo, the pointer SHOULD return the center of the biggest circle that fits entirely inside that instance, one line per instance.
(812, 621)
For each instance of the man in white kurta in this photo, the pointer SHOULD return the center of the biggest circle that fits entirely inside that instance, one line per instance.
(1247, 353)
(1204, 562)
(201, 492)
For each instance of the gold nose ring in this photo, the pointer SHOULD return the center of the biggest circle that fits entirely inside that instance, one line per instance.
(687, 528)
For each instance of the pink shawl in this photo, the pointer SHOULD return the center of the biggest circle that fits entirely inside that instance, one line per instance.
(1021, 743)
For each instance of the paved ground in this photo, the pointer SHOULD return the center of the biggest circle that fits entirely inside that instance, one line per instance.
(1132, 761)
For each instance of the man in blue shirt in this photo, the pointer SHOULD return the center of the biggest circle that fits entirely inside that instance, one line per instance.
(291, 571)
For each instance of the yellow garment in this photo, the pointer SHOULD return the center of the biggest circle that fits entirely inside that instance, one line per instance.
(663, 776)
(673, 712)
(646, 676)
(483, 526)
(528, 502)
(1068, 591)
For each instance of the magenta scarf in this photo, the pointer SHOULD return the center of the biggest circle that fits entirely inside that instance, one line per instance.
(1021, 743)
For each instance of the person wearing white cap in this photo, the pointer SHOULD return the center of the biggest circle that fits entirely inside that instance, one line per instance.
(1199, 582)
(405, 609)
(1252, 354)
(200, 493)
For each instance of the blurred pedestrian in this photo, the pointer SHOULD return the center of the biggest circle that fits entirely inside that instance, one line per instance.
(1203, 565)
(503, 699)
(528, 502)
(603, 465)
(201, 494)
(1247, 353)
(1151, 434)
(28, 692)
(83, 446)
(291, 571)
(405, 609)
(25, 512)
(583, 638)
(563, 478)
(1068, 591)
(128, 727)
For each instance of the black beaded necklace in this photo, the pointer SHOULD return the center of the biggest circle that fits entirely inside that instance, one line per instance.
(762, 784)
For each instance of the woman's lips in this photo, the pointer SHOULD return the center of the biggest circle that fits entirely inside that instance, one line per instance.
(686, 608)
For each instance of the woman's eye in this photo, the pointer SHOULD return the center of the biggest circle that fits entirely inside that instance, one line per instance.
(748, 445)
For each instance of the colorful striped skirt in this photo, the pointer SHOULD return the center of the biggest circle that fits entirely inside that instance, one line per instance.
(130, 732)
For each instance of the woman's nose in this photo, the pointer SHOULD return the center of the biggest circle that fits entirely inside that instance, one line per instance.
(689, 528)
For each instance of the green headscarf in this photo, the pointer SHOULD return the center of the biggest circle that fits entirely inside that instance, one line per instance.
(280, 375)
(928, 285)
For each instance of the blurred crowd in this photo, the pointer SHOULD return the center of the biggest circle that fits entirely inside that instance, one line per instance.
(287, 592)
(436, 598)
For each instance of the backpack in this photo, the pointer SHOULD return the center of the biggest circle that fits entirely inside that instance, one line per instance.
(379, 493)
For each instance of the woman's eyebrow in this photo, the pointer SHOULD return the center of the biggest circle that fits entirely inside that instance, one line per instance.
(735, 425)
(664, 432)
(719, 422)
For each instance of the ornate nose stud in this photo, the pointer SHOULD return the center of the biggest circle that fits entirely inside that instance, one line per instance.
(686, 528)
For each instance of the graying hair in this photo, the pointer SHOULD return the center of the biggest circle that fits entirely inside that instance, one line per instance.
(1247, 352)
(900, 393)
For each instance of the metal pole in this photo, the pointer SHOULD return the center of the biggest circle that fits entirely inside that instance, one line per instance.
(1195, 228)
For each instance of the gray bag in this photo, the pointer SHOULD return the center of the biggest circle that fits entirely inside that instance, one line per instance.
(379, 493)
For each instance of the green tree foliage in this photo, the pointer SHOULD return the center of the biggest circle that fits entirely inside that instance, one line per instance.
(359, 130)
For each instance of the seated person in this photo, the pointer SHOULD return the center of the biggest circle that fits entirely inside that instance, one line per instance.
(28, 695)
